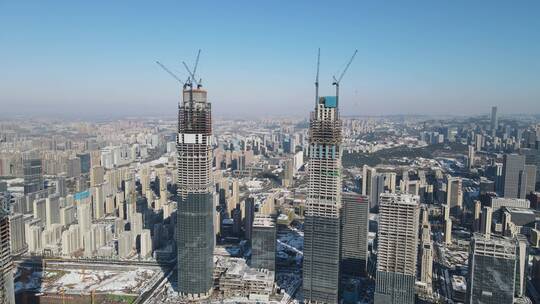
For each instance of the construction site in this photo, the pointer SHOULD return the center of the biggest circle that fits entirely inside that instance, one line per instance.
(74, 282)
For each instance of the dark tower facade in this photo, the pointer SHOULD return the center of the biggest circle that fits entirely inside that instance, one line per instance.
(195, 237)
(354, 234)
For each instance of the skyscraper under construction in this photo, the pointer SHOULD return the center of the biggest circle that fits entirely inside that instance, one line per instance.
(7, 294)
(322, 220)
(195, 237)
(323, 205)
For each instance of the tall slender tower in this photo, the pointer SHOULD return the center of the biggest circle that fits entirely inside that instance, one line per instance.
(323, 206)
(195, 235)
(494, 120)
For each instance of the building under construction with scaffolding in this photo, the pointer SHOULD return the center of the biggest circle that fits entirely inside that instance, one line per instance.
(323, 205)
(195, 235)
(7, 294)
(322, 241)
(195, 221)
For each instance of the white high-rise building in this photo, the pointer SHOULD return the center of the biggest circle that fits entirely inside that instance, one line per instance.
(71, 241)
(99, 202)
(84, 218)
(39, 209)
(17, 233)
(397, 248)
(146, 243)
(125, 244)
(67, 215)
(52, 211)
(487, 216)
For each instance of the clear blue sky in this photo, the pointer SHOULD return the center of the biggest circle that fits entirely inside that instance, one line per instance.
(258, 58)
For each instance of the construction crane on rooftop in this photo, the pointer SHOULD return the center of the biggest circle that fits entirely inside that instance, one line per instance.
(338, 80)
(192, 74)
(172, 74)
(317, 77)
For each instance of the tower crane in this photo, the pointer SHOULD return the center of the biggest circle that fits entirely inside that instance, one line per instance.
(338, 80)
(192, 74)
(317, 77)
(184, 84)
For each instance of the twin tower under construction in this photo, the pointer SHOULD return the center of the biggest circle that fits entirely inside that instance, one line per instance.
(322, 224)
(195, 235)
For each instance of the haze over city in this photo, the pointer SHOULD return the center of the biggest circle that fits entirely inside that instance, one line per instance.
(91, 60)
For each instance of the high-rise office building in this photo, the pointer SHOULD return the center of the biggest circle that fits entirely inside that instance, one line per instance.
(195, 234)
(494, 120)
(477, 216)
(492, 270)
(323, 205)
(7, 292)
(397, 248)
(32, 170)
(367, 174)
(530, 173)
(373, 184)
(495, 173)
(248, 217)
(376, 188)
(518, 178)
(354, 232)
(61, 188)
(454, 193)
(263, 242)
(471, 156)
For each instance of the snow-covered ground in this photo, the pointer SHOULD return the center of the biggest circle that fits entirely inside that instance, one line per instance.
(129, 281)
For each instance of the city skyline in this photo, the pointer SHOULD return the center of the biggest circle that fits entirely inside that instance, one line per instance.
(269, 152)
(90, 61)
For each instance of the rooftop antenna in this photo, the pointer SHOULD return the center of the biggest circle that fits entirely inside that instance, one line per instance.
(171, 73)
(317, 77)
(338, 80)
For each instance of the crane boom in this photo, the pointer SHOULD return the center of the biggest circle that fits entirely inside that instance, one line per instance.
(196, 63)
(170, 73)
(192, 76)
(317, 77)
(337, 81)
